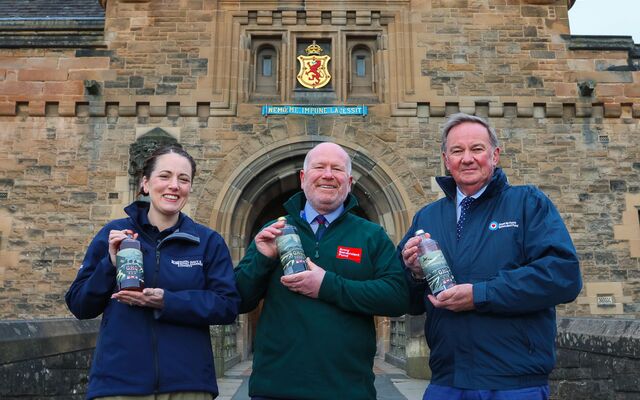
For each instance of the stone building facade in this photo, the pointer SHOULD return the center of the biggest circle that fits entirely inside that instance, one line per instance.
(82, 96)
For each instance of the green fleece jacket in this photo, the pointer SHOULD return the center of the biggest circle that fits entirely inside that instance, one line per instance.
(322, 348)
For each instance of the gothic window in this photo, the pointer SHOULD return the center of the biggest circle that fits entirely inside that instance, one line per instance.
(139, 151)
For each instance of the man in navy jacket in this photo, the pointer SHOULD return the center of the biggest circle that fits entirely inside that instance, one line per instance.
(492, 336)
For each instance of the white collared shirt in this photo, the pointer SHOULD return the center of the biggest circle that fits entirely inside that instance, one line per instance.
(309, 214)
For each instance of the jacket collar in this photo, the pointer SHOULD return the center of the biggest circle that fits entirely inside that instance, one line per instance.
(497, 184)
(138, 211)
(296, 204)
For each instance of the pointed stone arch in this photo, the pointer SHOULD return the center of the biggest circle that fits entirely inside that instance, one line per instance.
(140, 150)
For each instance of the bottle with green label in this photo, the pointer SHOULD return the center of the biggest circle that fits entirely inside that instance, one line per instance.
(434, 265)
(129, 265)
(292, 255)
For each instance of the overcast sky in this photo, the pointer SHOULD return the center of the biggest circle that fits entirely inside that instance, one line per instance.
(606, 17)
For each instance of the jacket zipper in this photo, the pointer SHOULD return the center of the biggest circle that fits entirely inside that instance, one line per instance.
(154, 338)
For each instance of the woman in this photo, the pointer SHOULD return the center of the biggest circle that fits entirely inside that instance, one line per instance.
(156, 341)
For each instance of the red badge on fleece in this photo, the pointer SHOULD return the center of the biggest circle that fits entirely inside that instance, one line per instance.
(349, 253)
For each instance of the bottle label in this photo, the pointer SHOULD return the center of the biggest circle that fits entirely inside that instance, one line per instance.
(130, 269)
(435, 268)
(292, 255)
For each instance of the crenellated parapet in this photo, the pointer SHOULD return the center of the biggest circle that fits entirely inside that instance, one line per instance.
(437, 108)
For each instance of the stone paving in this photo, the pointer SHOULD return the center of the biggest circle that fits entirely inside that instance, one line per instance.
(391, 383)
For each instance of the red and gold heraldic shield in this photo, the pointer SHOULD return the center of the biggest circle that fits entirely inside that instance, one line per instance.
(313, 71)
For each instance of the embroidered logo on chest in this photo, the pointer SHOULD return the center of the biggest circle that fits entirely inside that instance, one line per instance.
(494, 225)
(349, 253)
(187, 263)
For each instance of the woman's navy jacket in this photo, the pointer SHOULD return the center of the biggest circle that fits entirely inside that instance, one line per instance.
(143, 351)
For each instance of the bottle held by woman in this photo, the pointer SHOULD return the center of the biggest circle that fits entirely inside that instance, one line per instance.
(129, 263)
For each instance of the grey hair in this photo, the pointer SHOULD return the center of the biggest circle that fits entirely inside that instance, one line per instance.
(459, 118)
(306, 158)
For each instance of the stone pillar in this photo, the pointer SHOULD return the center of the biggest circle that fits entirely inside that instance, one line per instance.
(417, 365)
(217, 342)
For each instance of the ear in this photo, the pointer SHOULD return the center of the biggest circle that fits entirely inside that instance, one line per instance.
(145, 186)
(301, 179)
(446, 161)
(496, 156)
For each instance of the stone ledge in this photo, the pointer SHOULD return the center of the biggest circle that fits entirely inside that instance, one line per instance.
(52, 33)
(25, 340)
(599, 42)
(611, 336)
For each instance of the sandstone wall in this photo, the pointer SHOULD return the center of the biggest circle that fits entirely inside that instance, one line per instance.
(68, 118)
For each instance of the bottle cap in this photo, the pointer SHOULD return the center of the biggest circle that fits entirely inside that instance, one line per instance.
(419, 232)
(129, 243)
(282, 219)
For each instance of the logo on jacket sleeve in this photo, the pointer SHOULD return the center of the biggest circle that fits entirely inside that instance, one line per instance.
(349, 253)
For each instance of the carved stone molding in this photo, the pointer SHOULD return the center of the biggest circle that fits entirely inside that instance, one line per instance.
(103, 3)
(541, 2)
(433, 107)
(570, 3)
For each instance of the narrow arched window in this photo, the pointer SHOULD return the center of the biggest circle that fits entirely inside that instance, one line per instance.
(361, 72)
(266, 70)
(266, 65)
(361, 66)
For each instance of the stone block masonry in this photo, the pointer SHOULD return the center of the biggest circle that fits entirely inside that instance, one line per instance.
(597, 359)
(46, 358)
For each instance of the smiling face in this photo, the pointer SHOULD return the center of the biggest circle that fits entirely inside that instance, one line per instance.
(326, 179)
(470, 156)
(168, 186)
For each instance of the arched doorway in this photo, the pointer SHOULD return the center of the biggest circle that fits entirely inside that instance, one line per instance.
(255, 194)
(270, 190)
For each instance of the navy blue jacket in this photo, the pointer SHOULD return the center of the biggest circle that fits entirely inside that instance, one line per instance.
(141, 351)
(518, 255)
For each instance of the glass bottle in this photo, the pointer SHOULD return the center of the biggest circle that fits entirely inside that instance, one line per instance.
(434, 265)
(129, 265)
(292, 255)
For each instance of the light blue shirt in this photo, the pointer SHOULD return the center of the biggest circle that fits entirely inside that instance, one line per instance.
(460, 196)
(309, 214)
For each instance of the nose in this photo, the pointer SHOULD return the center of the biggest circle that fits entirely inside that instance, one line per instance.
(327, 172)
(173, 183)
(467, 157)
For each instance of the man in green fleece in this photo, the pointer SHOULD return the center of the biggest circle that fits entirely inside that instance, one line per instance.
(316, 337)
